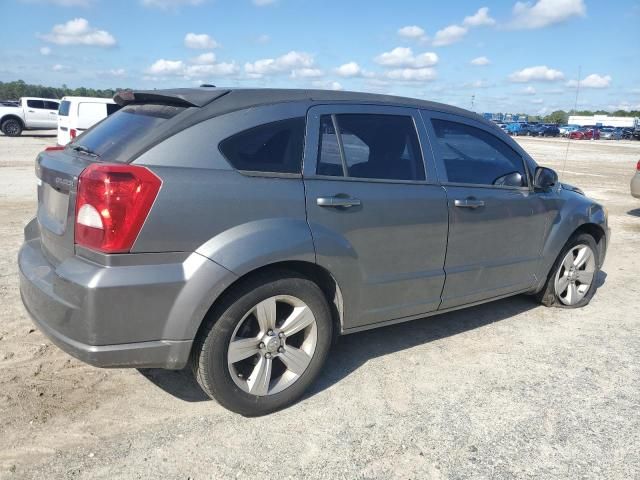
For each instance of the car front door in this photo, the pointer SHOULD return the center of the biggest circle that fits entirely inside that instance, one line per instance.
(496, 221)
(377, 215)
(35, 114)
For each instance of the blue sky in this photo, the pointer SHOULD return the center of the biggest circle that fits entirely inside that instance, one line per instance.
(509, 55)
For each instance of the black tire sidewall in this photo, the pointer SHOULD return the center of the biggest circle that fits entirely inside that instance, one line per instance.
(11, 120)
(214, 373)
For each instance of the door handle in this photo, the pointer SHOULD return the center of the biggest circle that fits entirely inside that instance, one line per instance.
(344, 202)
(31, 111)
(469, 203)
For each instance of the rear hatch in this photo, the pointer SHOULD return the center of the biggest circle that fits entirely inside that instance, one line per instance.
(64, 136)
(119, 138)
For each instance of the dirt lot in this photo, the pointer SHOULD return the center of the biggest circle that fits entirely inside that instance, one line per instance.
(504, 390)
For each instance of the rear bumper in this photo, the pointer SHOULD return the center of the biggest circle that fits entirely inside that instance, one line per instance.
(131, 314)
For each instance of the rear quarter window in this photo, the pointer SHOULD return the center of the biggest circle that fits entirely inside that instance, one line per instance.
(273, 147)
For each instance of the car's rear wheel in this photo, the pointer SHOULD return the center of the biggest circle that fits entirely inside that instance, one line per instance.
(11, 127)
(264, 344)
(572, 281)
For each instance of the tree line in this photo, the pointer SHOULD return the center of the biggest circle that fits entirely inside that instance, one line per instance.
(18, 88)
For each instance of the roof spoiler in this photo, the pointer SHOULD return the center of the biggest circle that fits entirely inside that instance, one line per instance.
(184, 97)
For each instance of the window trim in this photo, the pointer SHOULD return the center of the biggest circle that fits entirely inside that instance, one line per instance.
(428, 116)
(311, 155)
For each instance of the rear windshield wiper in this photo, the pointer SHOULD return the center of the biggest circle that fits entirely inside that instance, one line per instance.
(83, 149)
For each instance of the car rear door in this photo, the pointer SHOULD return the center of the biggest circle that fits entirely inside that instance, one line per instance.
(496, 222)
(51, 109)
(378, 219)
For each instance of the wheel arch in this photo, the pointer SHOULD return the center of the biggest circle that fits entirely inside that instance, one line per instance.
(314, 272)
(12, 116)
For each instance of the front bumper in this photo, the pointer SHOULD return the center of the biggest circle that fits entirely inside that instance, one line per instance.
(141, 314)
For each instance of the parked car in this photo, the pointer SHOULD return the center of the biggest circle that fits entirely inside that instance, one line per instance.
(635, 182)
(545, 130)
(519, 129)
(77, 114)
(585, 134)
(29, 114)
(565, 130)
(186, 228)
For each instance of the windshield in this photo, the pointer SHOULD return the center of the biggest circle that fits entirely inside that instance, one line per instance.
(112, 135)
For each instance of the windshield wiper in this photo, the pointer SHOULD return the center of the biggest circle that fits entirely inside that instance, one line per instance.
(85, 150)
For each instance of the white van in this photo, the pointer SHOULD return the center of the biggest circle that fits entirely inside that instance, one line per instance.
(76, 114)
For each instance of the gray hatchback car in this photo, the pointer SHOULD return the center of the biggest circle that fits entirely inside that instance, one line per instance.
(241, 230)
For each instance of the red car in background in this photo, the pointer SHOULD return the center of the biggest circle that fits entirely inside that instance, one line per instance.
(585, 134)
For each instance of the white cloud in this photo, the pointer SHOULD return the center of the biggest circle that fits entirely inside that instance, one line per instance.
(289, 61)
(167, 67)
(170, 4)
(117, 72)
(404, 57)
(449, 35)
(541, 73)
(528, 91)
(204, 59)
(477, 84)
(79, 32)
(542, 13)
(45, 51)
(264, 38)
(537, 101)
(480, 61)
(351, 69)
(412, 74)
(199, 41)
(479, 19)
(217, 69)
(164, 67)
(413, 32)
(327, 85)
(263, 3)
(61, 68)
(592, 81)
(307, 73)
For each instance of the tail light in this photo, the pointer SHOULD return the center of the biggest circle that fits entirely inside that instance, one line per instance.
(112, 204)
(54, 148)
(73, 133)
(638, 166)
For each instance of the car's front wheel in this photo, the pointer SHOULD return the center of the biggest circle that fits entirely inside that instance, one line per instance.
(572, 281)
(264, 344)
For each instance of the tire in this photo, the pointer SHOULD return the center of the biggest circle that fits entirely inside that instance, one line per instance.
(238, 312)
(11, 127)
(553, 294)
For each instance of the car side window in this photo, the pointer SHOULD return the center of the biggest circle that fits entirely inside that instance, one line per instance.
(474, 156)
(35, 104)
(273, 147)
(375, 146)
(51, 105)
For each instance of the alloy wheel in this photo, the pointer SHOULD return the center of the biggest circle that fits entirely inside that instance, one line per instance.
(272, 346)
(575, 275)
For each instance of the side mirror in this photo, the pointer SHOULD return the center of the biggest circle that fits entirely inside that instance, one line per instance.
(544, 178)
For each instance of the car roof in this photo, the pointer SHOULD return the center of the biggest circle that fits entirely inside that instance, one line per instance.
(227, 100)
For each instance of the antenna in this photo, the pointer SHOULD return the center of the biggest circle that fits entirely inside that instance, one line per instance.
(575, 108)
(473, 99)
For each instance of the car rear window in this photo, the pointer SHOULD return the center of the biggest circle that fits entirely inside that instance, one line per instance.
(114, 134)
(63, 111)
(273, 147)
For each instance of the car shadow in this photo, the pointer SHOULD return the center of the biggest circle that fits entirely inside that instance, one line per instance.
(635, 212)
(352, 351)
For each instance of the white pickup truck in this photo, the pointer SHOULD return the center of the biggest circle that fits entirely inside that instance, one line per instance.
(29, 114)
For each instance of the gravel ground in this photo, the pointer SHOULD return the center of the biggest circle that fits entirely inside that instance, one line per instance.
(504, 390)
